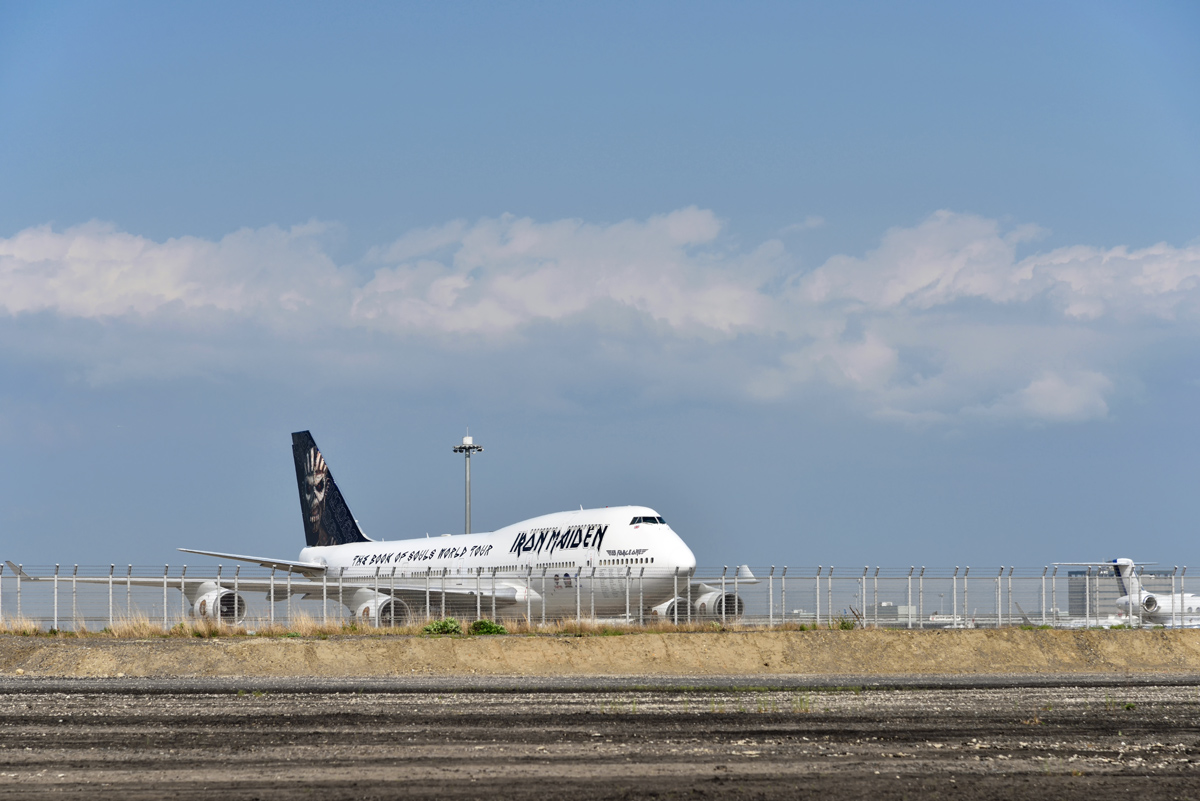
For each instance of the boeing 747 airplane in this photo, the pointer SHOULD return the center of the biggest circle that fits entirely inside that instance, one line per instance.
(540, 566)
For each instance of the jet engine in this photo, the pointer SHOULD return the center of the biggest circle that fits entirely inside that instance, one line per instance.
(666, 610)
(717, 604)
(1150, 603)
(226, 605)
(383, 611)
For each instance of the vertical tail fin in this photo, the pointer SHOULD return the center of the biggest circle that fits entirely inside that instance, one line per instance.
(1126, 576)
(327, 518)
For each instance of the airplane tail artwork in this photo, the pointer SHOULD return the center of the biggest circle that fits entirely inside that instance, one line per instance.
(327, 518)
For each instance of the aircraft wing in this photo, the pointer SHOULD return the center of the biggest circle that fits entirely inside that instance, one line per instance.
(305, 568)
(177, 582)
(413, 593)
(411, 590)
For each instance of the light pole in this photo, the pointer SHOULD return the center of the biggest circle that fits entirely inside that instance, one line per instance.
(468, 447)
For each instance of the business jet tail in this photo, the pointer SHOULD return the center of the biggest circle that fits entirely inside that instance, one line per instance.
(1127, 578)
(327, 518)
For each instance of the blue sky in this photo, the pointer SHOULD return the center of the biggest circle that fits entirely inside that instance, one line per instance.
(854, 283)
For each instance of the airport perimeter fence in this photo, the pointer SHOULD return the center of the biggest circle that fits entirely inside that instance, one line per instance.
(93, 598)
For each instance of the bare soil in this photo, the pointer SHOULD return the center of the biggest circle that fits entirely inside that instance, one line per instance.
(671, 742)
(860, 652)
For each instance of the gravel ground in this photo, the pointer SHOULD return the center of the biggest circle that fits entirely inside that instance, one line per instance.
(576, 738)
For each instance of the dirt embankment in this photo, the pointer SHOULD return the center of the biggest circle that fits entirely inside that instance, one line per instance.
(868, 652)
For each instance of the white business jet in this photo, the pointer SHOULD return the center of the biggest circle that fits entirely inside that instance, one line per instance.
(1181, 609)
(625, 560)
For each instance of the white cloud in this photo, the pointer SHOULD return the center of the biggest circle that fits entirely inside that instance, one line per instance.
(1051, 397)
(96, 271)
(943, 321)
(807, 224)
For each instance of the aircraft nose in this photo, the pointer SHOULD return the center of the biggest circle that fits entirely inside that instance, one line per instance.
(681, 554)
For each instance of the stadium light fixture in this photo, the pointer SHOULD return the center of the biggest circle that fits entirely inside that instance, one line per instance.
(467, 448)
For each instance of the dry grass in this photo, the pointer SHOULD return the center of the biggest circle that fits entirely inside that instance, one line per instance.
(307, 626)
(20, 626)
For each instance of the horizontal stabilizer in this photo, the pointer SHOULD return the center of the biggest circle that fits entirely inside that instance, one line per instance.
(305, 568)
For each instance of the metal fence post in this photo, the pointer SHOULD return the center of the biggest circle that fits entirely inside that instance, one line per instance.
(493, 593)
(675, 595)
(862, 596)
(75, 598)
(443, 604)
(771, 597)
(724, 569)
(592, 593)
(325, 597)
(1174, 604)
(20, 570)
(129, 594)
(1183, 574)
(1010, 598)
(342, 603)
(183, 596)
(578, 596)
(428, 612)
(911, 568)
(921, 598)
(999, 577)
(543, 596)
(875, 595)
(478, 592)
(1139, 574)
(271, 598)
(392, 599)
(56, 597)
(783, 596)
(818, 596)
(166, 569)
(954, 599)
(111, 568)
(966, 597)
(1044, 569)
(642, 596)
(1054, 594)
(289, 593)
(691, 577)
(628, 581)
(1087, 598)
(529, 595)
(829, 604)
(737, 572)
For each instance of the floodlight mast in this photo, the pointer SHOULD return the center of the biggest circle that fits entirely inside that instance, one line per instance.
(468, 447)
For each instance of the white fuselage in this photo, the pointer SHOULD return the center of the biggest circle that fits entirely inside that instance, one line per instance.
(547, 560)
(1179, 609)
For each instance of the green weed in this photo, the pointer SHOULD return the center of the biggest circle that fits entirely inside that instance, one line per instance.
(484, 626)
(447, 625)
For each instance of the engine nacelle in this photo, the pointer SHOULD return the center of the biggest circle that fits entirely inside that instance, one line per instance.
(717, 604)
(1150, 603)
(666, 610)
(382, 610)
(225, 605)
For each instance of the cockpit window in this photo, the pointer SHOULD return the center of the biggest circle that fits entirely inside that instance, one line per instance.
(646, 519)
